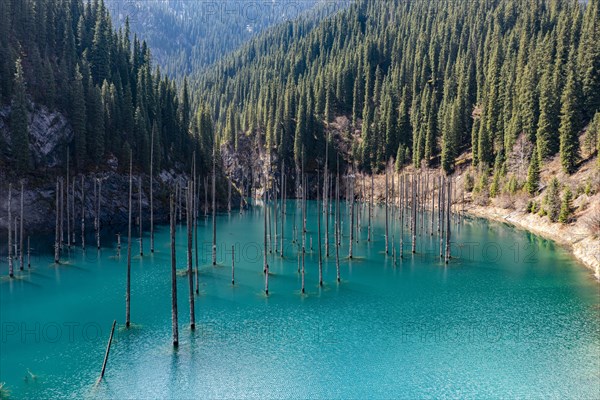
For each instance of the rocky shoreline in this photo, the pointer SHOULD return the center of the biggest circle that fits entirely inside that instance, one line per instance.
(584, 247)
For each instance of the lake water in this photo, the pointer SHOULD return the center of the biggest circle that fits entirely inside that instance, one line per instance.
(511, 315)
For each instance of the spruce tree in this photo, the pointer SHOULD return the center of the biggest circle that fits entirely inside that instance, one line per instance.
(566, 208)
(533, 175)
(19, 121)
(570, 123)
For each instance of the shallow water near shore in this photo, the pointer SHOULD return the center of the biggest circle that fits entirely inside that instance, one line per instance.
(511, 315)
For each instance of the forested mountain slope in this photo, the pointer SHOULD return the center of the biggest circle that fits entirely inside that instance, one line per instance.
(65, 56)
(186, 36)
(422, 81)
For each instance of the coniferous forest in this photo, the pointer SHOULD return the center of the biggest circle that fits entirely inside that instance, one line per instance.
(422, 81)
(66, 55)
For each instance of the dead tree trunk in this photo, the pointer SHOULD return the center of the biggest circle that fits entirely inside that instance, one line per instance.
(152, 192)
(175, 326)
(68, 207)
(21, 261)
(98, 213)
(140, 221)
(233, 265)
(112, 331)
(432, 204)
(402, 188)
(128, 288)
(188, 216)
(319, 236)
(73, 211)
(10, 259)
(442, 215)
(351, 216)
(414, 215)
(386, 211)
(448, 211)
(337, 222)
(62, 212)
(214, 209)
(282, 204)
(56, 228)
(82, 213)
(265, 261)
(196, 200)
(371, 207)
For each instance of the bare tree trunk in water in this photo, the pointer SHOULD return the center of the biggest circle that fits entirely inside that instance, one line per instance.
(173, 274)
(319, 236)
(56, 228)
(448, 219)
(128, 289)
(21, 230)
(190, 273)
(214, 214)
(10, 259)
(152, 192)
(141, 223)
(82, 213)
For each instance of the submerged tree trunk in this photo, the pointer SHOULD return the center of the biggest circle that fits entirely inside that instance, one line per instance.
(10, 259)
(214, 214)
(233, 265)
(175, 327)
(282, 205)
(21, 232)
(319, 236)
(82, 213)
(265, 261)
(56, 228)
(448, 210)
(152, 192)
(402, 183)
(337, 222)
(141, 223)
(351, 217)
(413, 220)
(68, 207)
(386, 211)
(98, 213)
(190, 274)
(73, 211)
(128, 288)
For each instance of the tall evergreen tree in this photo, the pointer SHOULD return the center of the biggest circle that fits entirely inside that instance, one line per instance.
(19, 121)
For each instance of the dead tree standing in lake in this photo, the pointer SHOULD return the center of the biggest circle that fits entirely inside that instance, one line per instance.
(82, 213)
(265, 261)
(21, 232)
(448, 209)
(56, 228)
(98, 213)
(141, 227)
(173, 274)
(319, 236)
(152, 190)
(128, 288)
(10, 259)
(214, 207)
(190, 274)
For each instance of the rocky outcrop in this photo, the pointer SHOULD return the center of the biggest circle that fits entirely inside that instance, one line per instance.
(49, 135)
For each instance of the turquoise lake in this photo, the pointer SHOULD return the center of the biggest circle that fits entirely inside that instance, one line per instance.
(511, 315)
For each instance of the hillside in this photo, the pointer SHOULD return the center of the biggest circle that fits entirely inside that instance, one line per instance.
(64, 58)
(185, 37)
(427, 78)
